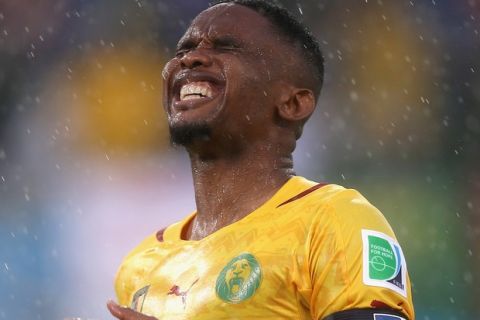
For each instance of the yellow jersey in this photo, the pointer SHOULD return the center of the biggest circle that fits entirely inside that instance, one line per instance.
(310, 251)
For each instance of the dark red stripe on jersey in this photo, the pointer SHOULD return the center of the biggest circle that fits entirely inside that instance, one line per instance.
(160, 235)
(303, 194)
(378, 304)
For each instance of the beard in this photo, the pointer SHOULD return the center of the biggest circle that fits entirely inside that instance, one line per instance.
(187, 134)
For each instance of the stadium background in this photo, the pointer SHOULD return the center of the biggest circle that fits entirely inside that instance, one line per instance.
(86, 170)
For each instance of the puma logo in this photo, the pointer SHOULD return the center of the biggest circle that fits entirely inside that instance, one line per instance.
(175, 290)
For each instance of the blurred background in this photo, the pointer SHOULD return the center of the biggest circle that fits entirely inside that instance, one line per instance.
(86, 169)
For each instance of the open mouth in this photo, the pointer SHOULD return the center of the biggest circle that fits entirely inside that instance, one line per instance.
(236, 281)
(193, 89)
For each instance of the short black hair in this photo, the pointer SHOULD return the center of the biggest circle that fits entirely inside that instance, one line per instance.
(294, 31)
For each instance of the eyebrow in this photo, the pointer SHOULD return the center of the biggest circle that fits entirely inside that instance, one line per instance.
(191, 41)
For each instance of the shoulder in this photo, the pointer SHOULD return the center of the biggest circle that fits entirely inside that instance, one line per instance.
(346, 219)
(131, 269)
(351, 210)
(334, 206)
(351, 242)
(144, 257)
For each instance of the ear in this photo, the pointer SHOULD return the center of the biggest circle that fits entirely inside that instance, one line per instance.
(296, 104)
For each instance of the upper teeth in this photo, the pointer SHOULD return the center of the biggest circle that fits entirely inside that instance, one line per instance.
(195, 90)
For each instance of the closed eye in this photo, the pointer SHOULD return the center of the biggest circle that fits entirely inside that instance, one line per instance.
(184, 47)
(226, 43)
(221, 43)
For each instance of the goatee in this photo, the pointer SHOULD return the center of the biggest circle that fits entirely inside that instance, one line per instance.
(185, 135)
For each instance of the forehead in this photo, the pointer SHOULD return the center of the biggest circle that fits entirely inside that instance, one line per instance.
(230, 19)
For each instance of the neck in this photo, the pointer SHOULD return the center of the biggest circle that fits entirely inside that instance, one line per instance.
(229, 188)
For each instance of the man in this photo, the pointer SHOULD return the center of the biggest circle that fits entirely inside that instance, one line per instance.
(263, 242)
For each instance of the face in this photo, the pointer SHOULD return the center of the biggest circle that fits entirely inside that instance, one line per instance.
(238, 273)
(221, 81)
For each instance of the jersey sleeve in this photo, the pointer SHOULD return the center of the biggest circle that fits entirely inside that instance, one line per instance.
(354, 260)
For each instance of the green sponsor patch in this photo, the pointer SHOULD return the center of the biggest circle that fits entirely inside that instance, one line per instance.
(383, 262)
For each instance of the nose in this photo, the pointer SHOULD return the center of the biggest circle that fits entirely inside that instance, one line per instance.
(196, 58)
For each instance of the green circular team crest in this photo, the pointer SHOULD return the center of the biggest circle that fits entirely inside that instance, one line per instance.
(239, 279)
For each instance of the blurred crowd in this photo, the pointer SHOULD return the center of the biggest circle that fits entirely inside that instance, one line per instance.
(87, 171)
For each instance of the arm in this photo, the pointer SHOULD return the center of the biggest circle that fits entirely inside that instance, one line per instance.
(356, 266)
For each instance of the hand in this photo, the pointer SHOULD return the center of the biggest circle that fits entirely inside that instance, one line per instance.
(123, 313)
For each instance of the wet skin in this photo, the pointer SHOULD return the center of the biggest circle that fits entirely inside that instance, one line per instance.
(233, 59)
(252, 114)
(255, 104)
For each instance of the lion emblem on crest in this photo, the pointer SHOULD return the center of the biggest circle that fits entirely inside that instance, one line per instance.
(239, 279)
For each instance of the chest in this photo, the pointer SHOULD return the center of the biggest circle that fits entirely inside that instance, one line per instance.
(230, 276)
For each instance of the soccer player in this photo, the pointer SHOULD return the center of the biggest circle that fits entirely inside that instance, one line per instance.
(263, 242)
